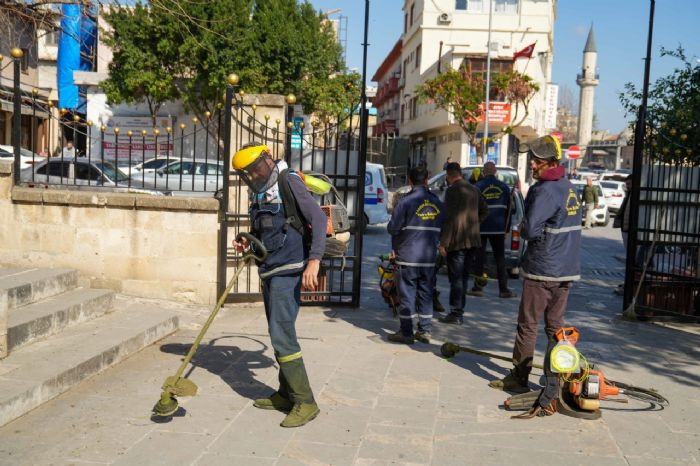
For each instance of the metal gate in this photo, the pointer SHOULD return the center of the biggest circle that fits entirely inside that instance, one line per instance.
(665, 242)
(331, 149)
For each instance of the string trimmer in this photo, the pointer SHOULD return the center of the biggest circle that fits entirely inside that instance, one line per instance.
(177, 385)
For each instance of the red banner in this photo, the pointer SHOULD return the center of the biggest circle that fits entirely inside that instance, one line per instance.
(499, 113)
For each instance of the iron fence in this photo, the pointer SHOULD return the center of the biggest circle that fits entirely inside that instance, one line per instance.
(666, 246)
(191, 159)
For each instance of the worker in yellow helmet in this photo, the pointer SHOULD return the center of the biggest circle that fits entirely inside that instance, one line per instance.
(293, 259)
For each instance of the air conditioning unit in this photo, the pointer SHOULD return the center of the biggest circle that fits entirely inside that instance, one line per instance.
(445, 18)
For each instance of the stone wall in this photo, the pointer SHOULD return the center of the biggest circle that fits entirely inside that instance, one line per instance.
(137, 244)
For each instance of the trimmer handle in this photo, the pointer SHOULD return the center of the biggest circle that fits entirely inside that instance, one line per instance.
(259, 253)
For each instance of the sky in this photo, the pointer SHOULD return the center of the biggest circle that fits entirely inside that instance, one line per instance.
(620, 28)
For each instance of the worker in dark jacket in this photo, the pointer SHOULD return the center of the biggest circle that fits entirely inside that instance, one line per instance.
(460, 240)
(290, 263)
(494, 227)
(552, 227)
(415, 227)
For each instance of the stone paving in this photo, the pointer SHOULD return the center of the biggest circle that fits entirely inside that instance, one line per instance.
(381, 403)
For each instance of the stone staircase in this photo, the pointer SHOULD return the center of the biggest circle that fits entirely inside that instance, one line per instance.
(56, 334)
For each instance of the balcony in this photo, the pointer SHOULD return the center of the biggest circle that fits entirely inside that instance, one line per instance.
(392, 87)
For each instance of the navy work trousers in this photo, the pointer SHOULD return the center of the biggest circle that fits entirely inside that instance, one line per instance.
(282, 296)
(460, 264)
(416, 286)
(499, 253)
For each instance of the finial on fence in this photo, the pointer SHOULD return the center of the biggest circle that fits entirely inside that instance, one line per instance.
(278, 121)
(207, 114)
(254, 107)
(169, 129)
(130, 133)
(76, 118)
(89, 122)
(35, 92)
(267, 117)
(144, 132)
(16, 52)
(241, 93)
(116, 130)
(301, 125)
(194, 120)
(290, 125)
(156, 131)
(50, 103)
(182, 126)
(291, 99)
(103, 128)
(233, 79)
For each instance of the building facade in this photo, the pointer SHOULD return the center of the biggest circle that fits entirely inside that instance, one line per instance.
(442, 34)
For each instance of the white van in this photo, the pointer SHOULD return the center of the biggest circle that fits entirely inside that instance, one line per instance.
(376, 194)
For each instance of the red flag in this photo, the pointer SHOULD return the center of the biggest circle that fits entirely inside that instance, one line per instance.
(526, 52)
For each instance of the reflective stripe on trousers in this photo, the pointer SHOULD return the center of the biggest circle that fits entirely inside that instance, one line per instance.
(416, 286)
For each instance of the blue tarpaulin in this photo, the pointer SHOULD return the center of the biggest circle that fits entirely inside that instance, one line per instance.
(68, 56)
(77, 40)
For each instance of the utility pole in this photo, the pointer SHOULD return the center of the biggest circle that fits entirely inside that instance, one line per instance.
(485, 137)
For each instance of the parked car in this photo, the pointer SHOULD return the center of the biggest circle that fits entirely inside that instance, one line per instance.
(514, 244)
(80, 172)
(148, 166)
(27, 157)
(376, 194)
(614, 192)
(184, 177)
(617, 175)
(601, 215)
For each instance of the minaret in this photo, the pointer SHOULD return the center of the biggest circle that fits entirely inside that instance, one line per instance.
(587, 80)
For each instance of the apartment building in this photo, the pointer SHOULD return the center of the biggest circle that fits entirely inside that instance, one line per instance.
(442, 34)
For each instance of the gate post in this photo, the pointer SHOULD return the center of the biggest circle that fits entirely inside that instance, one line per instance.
(289, 114)
(362, 156)
(232, 80)
(17, 54)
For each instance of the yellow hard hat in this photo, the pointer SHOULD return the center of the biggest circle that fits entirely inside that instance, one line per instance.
(546, 148)
(476, 174)
(247, 155)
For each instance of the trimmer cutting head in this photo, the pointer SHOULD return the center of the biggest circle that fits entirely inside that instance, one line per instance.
(166, 406)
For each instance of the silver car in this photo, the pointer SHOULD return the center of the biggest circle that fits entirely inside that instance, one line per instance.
(77, 172)
(185, 177)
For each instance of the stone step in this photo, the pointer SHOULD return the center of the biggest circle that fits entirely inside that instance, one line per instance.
(26, 285)
(43, 370)
(38, 320)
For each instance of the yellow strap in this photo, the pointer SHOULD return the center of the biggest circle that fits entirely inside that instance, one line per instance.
(290, 357)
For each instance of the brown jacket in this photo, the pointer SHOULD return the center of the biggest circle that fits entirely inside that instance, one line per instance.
(465, 209)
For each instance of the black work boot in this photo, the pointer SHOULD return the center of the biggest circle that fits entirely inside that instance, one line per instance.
(437, 305)
(399, 337)
(510, 383)
(451, 318)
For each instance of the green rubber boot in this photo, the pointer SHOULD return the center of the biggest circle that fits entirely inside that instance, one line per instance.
(279, 400)
(305, 408)
(274, 401)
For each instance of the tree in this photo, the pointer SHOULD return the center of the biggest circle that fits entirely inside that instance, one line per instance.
(144, 66)
(462, 93)
(673, 111)
(275, 46)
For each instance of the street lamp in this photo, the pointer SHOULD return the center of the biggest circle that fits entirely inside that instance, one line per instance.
(485, 138)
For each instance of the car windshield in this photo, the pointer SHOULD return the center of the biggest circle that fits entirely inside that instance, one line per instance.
(111, 172)
(609, 184)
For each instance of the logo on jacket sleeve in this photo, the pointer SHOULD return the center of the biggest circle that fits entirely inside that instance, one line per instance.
(427, 211)
(572, 203)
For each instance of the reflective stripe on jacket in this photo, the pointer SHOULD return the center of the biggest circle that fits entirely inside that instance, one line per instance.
(552, 227)
(415, 228)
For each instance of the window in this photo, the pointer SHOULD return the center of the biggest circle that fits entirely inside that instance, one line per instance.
(470, 5)
(413, 7)
(477, 66)
(415, 107)
(405, 23)
(403, 109)
(155, 164)
(418, 53)
(56, 168)
(52, 38)
(84, 171)
(24, 61)
(509, 7)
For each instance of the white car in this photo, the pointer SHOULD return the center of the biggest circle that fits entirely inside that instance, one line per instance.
(27, 158)
(376, 194)
(614, 192)
(148, 166)
(601, 216)
(184, 177)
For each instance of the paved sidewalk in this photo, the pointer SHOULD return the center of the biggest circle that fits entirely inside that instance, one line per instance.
(381, 403)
